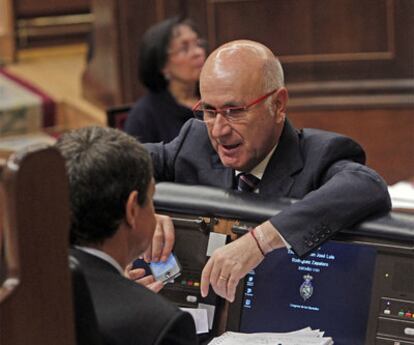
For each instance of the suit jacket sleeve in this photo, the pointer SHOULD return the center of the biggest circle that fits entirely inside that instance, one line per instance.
(345, 192)
(164, 155)
(180, 331)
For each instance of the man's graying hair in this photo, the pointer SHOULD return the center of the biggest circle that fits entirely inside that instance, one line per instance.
(272, 77)
(273, 74)
(104, 166)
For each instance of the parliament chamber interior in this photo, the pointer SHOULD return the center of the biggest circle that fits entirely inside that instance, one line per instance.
(349, 69)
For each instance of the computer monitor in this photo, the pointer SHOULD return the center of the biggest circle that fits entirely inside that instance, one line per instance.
(328, 290)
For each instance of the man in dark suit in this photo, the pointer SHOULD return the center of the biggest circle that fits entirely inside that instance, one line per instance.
(112, 223)
(244, 129)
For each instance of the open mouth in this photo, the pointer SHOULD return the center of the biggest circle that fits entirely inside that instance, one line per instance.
(231, 147)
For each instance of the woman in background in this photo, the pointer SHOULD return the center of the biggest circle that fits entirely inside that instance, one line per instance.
(170, 61)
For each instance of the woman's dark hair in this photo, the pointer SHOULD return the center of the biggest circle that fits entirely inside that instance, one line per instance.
(153, 53)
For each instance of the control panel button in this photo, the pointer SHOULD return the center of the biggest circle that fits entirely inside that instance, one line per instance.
(191, 299)
(409, 331)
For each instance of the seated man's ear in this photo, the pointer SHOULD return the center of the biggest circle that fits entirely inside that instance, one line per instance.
(281, 101)
(132, 208)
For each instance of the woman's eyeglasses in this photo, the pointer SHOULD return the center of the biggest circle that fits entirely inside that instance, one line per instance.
(188, 46)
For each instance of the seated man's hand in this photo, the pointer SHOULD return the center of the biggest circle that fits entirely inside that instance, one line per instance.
(138, 274)
(162, 241)
(232, 262)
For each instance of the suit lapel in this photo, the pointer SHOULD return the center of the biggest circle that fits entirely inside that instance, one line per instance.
(219, 175)
(286, 160)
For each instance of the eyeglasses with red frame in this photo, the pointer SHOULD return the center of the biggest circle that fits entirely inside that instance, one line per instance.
(231, 114)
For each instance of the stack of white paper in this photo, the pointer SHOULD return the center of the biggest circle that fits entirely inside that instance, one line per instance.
(305, 336)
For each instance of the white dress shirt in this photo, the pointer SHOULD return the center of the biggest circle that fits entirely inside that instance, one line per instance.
(102, 255)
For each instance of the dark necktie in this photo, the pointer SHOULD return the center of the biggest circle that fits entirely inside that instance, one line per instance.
(247, 182)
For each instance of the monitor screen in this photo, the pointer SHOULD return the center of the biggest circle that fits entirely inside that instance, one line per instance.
(328, 290)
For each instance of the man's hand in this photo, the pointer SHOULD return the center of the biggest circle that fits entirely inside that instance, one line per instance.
(228, 265)
(137, 275)
(162, 241)
(232, 262)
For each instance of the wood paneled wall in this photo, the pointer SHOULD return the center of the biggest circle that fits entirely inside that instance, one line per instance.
(316, 40)
(348, 63)
(387, 135)
(321, 39)
(7, 35)
(28, 23)
(43, 8)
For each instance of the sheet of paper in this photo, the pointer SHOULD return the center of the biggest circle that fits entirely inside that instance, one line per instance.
(402, 195)
(210, 313)
(200, 319)
(19, 142)
(215, 241)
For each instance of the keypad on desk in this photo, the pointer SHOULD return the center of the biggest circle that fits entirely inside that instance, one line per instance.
(188, 280)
